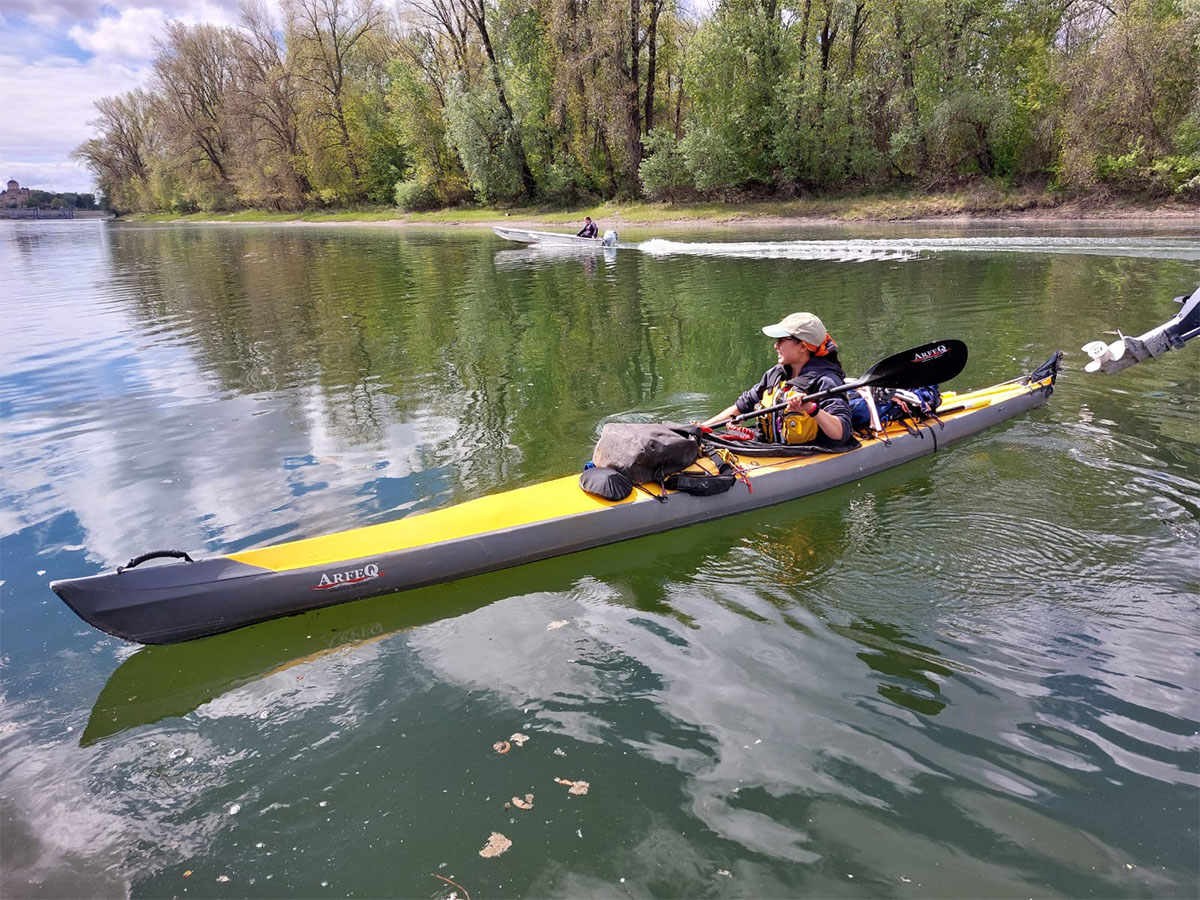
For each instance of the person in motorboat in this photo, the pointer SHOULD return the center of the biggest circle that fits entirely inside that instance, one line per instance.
(808, 363)
(589, 228)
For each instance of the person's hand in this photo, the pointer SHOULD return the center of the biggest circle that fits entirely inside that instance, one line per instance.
(801, 405)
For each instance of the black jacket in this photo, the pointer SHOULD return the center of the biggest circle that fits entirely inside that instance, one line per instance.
(818, 374)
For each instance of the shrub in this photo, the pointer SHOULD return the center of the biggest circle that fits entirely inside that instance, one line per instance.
(415, 195)
(664, 171)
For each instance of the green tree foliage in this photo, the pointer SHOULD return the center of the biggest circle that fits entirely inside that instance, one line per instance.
(272, 168)
(195, 83)
(119, 156)
(1132, 110)
(733, 69)
(664, 171)
(437, 102)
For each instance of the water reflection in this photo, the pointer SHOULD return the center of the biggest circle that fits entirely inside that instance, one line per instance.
(912, 672)
(548, 253)
(964, 676)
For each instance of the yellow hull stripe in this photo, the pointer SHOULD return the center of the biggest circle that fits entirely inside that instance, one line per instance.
(523, 506)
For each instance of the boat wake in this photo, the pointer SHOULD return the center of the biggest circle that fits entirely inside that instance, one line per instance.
(906, 249)
(837, 251)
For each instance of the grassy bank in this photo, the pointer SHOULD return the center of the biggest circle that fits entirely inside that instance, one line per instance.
(977, 202)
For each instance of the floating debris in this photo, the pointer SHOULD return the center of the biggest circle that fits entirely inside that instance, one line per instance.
(575, 787)
(453, 895)
(222, 878)
(519, 739)
(496, 845)
(187, 874)
(725, 872)
(559, 751)
(554, 626)
(527, 803)
(501, 746)
(235, 808)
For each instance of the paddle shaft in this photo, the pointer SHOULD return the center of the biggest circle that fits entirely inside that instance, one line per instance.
(917, 367)
(820, 395)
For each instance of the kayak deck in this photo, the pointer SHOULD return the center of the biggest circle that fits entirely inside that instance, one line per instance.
(169, 603)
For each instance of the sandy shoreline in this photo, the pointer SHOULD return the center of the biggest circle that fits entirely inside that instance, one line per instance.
(867, 213)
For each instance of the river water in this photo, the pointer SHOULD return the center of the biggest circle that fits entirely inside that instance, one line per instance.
(976, 675)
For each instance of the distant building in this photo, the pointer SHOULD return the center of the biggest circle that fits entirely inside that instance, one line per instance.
(14, 196)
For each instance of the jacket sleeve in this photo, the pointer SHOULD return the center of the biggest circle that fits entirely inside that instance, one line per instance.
(837, 405)
(750, 398)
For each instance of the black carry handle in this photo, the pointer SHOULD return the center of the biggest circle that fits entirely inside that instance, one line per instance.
(916, 367)
(154, 554)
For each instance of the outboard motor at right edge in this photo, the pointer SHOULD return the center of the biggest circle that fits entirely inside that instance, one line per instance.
(1126, 351)
(610, 239)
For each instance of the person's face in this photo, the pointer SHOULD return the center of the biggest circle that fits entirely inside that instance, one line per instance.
(791, 352)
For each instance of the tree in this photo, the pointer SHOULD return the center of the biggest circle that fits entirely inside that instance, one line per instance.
(273, 169)
(328, 41)
(119, 155)
(194, 80)
(1133, 99)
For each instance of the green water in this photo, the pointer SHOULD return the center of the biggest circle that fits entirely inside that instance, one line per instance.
(977, 675)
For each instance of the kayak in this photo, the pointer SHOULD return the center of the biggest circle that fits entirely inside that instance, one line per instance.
(525, 236)
(163, 604)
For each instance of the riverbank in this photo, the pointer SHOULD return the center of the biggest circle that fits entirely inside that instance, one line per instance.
(974, 205)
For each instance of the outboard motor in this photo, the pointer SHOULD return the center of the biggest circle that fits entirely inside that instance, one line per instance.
(610, 239)
(1127, 351)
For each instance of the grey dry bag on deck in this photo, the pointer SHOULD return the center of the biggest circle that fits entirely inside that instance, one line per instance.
(645, 453)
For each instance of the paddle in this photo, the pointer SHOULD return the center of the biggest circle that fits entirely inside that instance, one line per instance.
(917, 367)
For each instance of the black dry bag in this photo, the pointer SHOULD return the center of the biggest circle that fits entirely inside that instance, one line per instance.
(605, 483)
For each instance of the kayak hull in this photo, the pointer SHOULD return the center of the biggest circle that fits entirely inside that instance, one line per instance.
(178, 602)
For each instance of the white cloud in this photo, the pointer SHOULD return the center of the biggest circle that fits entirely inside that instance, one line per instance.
(48, 106)
(59, 57)
(84, 10)
(129, 35)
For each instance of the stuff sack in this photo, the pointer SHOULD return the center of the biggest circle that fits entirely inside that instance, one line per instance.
(644, 453)
(700, 484)
(607, 484)
(894, 405)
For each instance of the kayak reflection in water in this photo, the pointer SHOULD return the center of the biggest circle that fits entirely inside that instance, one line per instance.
(808, 363)
(589, 228)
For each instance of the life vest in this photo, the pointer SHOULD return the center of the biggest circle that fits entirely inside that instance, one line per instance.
(785, 427)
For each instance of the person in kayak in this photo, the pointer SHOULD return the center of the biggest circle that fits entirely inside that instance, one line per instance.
(589, 228)
(808, 363)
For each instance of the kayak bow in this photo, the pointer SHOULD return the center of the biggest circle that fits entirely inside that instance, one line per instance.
(164, 604)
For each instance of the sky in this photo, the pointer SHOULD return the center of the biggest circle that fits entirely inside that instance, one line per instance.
(57, 57)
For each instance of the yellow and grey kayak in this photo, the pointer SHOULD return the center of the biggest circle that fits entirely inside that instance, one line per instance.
(164, 604)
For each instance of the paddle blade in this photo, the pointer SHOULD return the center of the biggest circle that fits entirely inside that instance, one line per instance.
(930, 363)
